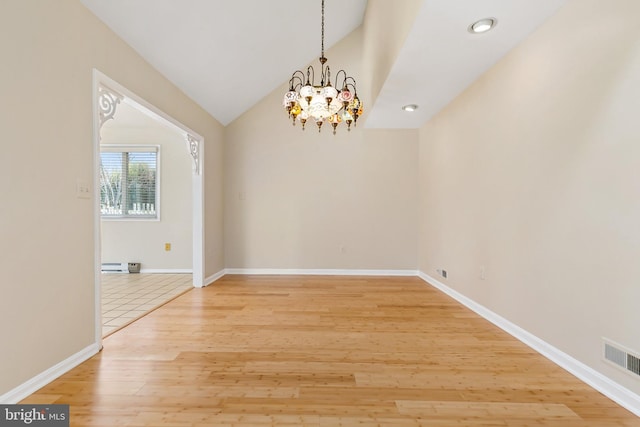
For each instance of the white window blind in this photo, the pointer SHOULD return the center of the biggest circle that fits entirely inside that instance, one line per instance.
(129, 184)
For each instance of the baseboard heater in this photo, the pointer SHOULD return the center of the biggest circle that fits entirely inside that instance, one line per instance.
(115, 267)
(120, 267)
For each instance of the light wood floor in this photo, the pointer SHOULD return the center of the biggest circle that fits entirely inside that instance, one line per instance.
(322, 351)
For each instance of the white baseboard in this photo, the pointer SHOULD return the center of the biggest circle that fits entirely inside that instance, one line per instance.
(614, 391)
(209, 280)
(44, 378)
(308, 272)
(167, 270)
(319, 272)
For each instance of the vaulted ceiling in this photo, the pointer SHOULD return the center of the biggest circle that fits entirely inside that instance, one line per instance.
(228, 54)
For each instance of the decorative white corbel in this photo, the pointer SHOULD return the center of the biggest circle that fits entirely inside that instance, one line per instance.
(194, 150)
(108, 100)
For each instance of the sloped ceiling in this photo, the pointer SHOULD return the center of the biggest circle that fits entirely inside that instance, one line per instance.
(228, 54)
(440, 57)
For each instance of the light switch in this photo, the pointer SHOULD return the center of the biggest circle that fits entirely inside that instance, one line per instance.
(83, 191)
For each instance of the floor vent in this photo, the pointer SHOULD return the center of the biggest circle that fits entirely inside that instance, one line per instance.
(621, 357)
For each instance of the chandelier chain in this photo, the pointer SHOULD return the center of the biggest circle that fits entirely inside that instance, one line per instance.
(322, 32)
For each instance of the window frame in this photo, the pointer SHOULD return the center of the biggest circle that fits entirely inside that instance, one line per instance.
(140, 148)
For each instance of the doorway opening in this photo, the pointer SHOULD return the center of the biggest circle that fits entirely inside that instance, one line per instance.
(113, 100)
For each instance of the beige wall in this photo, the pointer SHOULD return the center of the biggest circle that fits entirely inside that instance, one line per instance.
(533, 172)
(49, 50)
(141, 240)
(304, 200)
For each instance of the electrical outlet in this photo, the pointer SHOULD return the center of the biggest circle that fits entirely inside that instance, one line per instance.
(482, 272)
(167, 247)
(441, 272)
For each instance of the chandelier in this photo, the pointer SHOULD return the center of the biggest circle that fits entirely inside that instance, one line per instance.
(323, 102)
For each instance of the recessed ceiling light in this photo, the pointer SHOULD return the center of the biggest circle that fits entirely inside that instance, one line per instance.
(410, 107)
(483, 25)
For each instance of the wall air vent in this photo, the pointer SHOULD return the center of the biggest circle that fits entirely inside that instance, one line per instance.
(619, 356)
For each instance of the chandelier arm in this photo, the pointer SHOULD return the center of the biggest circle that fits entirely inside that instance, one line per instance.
(350, 86)
(297, 80)
(350, 81)
(326, 76)
(343, 80)
(313, 74)
(295, 84)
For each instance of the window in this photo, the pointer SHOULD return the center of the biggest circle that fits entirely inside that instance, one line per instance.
(129, 182)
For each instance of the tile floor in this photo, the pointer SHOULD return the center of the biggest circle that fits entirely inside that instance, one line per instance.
(127, 297)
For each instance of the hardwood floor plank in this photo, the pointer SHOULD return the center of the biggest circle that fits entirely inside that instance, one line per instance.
(323, 351)
(491, 410)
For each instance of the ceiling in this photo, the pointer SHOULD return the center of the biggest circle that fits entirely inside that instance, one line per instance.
(440, 57)
(239, 51)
